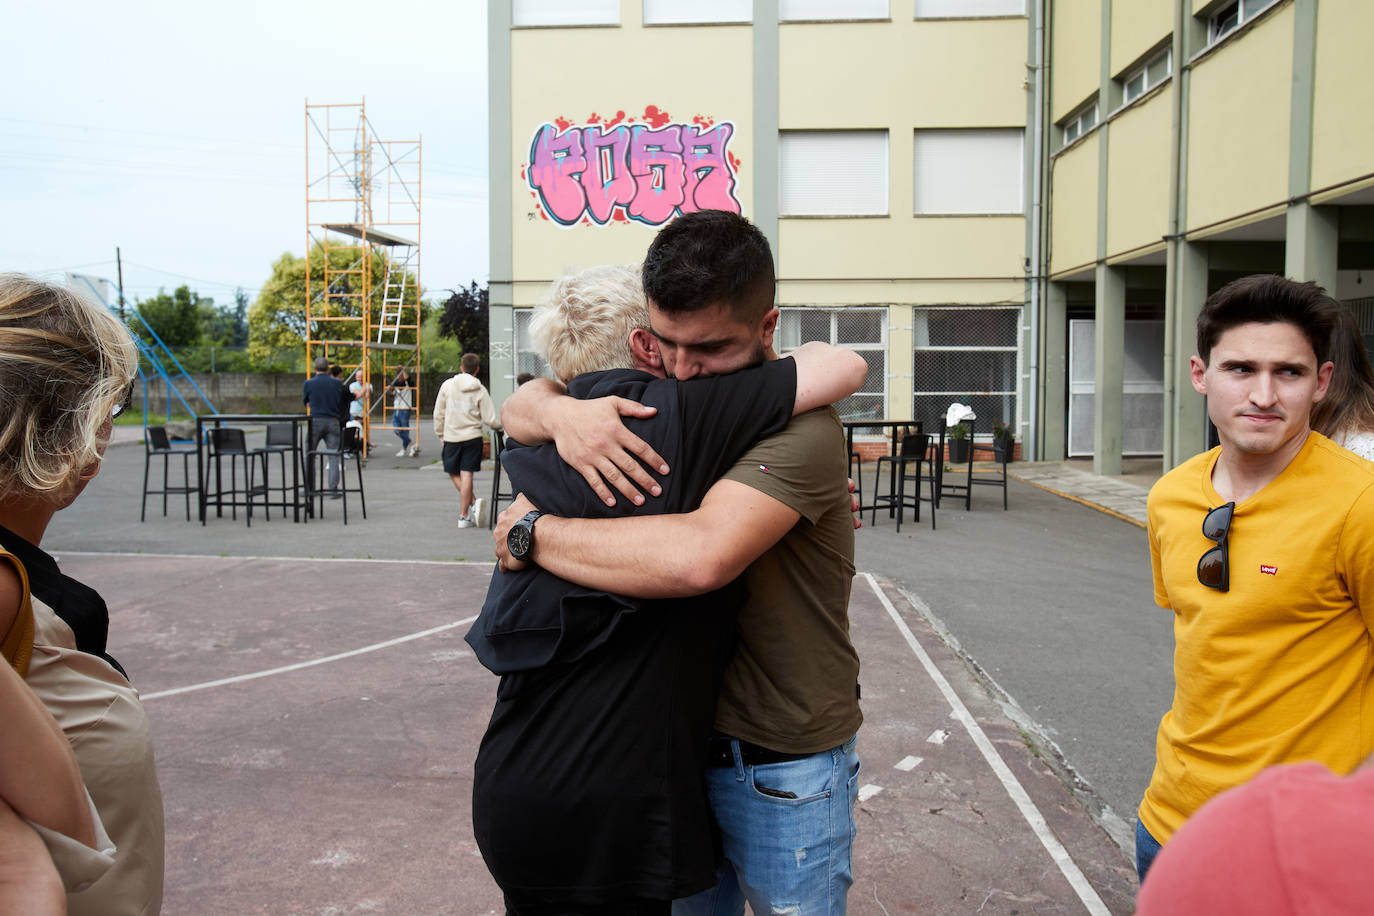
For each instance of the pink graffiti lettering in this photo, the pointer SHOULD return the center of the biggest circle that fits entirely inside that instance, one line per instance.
(607, 182)
(608, 171)
(556, 165)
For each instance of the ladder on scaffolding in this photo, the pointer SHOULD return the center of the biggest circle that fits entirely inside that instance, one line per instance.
(393, 295)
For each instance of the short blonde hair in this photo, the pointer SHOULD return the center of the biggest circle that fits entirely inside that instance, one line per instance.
(584, 325)
(65, 362)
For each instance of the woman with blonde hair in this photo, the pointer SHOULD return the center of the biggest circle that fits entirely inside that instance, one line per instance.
(66, 370)
(1346, 414)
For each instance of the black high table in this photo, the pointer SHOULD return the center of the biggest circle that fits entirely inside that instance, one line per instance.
(300, 432)
(894, 430)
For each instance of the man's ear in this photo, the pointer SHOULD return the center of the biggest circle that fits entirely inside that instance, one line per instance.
(767, 327)
(644, 349)
(1324, 373)
(1198, 370)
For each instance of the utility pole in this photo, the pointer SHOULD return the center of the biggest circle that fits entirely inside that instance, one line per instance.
(119, 263)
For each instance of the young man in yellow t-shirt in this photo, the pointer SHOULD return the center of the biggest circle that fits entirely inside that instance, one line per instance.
(1264, 550)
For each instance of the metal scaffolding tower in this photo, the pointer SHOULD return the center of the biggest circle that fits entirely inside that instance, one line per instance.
(362, 214)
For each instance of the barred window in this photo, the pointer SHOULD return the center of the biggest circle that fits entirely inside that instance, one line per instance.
(863, 330)
(969, 355)
(527, 358)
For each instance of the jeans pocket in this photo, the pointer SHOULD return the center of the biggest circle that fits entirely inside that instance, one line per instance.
(793, 782)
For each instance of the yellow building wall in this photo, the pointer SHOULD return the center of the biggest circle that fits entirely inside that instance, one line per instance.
(903, 246)
(1075, 54)
(1342, 126)
(576, 73)
(1138, 173)
(913, 292)
(1073, 206)
(1137, 26)
(1238, 123)
(940, 73)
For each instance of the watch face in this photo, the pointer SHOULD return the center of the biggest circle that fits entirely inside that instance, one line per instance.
(518, 540)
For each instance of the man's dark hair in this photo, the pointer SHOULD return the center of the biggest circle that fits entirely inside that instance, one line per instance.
(709, 258)
(336, 370)
(524, 377)
(470, 363)
(1268, 299)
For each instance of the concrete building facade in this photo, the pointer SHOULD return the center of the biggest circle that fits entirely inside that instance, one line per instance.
(1014, 204)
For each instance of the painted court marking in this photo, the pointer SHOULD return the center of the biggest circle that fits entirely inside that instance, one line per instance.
(1010, 783)
(310, 664)
(868, 790)
(908, 763)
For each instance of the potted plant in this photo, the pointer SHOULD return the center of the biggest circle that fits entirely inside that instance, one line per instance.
(958, 443)
(1003, 441)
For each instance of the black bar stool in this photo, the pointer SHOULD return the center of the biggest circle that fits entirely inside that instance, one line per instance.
(155, 442)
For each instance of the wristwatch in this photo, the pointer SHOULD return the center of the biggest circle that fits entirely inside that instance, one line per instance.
(520, 538)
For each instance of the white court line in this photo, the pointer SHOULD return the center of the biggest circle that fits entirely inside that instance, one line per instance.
(59, 554)
(310, 664)
(1018, 794)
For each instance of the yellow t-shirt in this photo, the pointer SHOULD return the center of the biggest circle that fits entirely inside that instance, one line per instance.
(1280, 668)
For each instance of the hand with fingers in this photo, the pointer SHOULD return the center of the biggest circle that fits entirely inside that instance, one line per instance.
(592, 439)
(854, 505)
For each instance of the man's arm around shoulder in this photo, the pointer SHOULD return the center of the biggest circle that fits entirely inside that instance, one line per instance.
(659, 556)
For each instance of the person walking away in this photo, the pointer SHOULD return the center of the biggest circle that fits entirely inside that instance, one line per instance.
(461, 408)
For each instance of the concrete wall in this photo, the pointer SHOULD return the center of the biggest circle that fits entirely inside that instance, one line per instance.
(1239, 123)
(230, 392)
(1342, 131)
(1138, 26)
(1076, 38)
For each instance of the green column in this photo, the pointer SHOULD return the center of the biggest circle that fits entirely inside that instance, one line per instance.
(764, 212)
(1189, 421)
(1054, 375)
(1109, 353)
(1312, 232)
(500, 193)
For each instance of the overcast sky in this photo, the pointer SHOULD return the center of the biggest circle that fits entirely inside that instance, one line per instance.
(176, 130)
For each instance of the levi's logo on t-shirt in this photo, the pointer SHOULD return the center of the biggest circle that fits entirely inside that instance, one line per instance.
(1269, 570)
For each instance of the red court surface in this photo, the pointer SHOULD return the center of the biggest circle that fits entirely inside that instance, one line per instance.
(316, 723)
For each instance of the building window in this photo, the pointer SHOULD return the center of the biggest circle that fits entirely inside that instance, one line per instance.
(968, 171)
(832, 173)
(565, 12)
(831, 10)
(697, 12)
(968, 9)
(1080, 123)
(527, 358)
(1147, 76)
(966, 354)
(863, 330)
(1234, 15)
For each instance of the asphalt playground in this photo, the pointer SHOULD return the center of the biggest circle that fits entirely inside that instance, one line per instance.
(316, 711)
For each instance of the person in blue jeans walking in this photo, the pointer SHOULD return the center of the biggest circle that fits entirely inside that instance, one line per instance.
(402, 402)
(783, 773)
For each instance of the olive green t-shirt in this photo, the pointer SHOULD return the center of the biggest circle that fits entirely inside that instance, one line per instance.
(793, 683)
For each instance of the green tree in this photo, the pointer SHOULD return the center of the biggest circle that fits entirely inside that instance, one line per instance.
(177, 318)
(276, 320)
(464, 325)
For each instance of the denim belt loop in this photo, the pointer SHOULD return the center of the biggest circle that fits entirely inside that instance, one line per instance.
(740, 775)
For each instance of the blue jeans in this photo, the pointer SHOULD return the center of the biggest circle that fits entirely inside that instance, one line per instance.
(791, 855)
(401, 420)
(1146, 848)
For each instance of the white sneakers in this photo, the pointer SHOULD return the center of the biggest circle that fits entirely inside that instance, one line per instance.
(403, 453)
(476, 516)
(414, 450)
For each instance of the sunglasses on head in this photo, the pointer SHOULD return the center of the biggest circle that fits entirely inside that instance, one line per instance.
(1214, 567)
